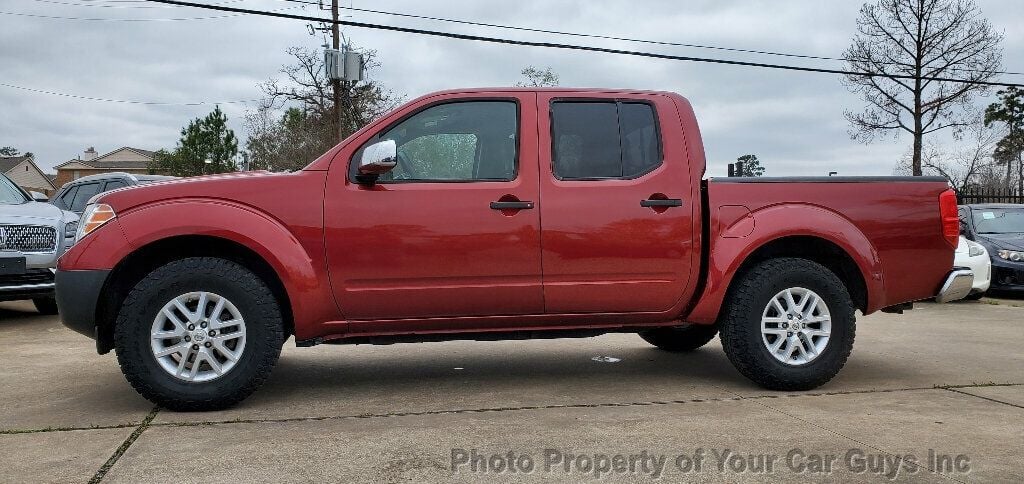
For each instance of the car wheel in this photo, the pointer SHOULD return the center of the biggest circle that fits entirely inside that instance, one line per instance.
(45, 305)
(788, 324)
(687, 337)
(198, 334)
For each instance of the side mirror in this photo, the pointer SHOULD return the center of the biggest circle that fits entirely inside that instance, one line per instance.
(378, 158)
(964, 228)
(39, 197)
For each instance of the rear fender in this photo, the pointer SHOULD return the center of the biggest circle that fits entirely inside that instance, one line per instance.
(771, 223)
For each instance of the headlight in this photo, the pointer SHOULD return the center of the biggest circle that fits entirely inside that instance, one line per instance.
(1011, 255)
(71, 229)
(93, 218)
(974, 249)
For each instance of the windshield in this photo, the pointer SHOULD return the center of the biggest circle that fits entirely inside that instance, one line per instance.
(10, 194)
(999, 220)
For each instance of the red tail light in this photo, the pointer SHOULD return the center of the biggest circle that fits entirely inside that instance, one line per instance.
(950, 219)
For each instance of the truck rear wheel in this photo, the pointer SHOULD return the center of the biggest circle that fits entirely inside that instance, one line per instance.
(788, 324)
(198, 334)
(687, 337)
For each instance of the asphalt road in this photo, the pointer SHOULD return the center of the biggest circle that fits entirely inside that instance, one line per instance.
(934, 395)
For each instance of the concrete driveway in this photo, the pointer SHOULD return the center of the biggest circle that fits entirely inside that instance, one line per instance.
(936, 394)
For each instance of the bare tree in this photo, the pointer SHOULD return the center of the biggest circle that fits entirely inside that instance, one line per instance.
(535, 77)
(924, 40)
(968, 165)
(295, 122)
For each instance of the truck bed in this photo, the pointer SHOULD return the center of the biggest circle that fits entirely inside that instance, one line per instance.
(890, 226)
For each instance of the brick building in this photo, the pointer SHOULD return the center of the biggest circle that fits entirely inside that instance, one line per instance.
(126, 159)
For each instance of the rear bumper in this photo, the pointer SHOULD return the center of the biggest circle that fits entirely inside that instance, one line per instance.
(78, 293)
(958, 285)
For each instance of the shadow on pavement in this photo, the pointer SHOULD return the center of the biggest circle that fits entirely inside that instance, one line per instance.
(13, 313)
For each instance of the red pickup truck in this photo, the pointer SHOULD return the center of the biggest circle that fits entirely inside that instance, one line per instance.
(501, 214)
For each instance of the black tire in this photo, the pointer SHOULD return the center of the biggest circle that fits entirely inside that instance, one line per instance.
(974, 296)
(253, 299)
(740, 324)
(45, 305)
(687, 337)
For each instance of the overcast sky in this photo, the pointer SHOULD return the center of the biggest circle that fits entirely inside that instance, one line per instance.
(792, 121)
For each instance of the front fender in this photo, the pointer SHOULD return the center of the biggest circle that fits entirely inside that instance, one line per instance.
(774, 222)
(301, 274)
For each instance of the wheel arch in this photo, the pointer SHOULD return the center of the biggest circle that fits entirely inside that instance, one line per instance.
(815, 249)
(820, 235)
(143, 260)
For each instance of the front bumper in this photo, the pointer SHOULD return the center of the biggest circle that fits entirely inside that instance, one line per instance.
(33, 283)
(78, 294)
(1006, 275)
(958, 285)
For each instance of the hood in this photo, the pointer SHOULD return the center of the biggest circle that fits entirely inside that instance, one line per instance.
(1003, 241)
(228, 186)
(38, 212)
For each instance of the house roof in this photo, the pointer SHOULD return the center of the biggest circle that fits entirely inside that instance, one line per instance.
(103, 164)
(9, 162)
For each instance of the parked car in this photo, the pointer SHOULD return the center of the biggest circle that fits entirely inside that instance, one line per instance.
(501, 214)
(33, 234)
(973, 256)
(999, 227)
(75, 194)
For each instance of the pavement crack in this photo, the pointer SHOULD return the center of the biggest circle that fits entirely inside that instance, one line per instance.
(952, 389)
(149, 423)
(544, 407)
(102, 471)
(66, 429)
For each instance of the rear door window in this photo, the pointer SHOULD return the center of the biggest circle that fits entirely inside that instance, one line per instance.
(603, 140)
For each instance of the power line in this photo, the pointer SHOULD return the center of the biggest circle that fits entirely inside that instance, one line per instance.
(553, 45)
(114, 19)
(108, 19)
(610, 37)
(124, 101)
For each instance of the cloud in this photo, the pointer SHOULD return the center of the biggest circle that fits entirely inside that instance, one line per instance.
(792, 121)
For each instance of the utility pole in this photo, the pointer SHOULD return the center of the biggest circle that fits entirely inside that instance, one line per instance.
(336, 83)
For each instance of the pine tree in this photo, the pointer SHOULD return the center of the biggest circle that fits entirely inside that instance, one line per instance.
(206, 146)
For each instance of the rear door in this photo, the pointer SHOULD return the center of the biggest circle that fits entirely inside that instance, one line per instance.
(616, 205)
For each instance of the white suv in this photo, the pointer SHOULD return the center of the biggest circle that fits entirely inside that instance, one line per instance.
(33, 234)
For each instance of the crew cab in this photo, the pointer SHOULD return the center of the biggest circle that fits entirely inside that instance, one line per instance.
(501, 214)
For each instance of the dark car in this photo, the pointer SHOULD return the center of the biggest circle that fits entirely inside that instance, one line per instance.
(75, 194)
(1000, 228)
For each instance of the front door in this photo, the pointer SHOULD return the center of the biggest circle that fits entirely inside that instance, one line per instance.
(617, 205)
(454, 229)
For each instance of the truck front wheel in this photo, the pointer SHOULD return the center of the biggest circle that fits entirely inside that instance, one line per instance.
(199, 333)
(45, 305)
(687, 337)
(788, 324)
